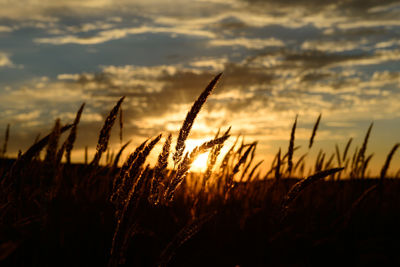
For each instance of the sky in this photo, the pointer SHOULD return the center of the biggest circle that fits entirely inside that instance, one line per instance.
(278, 58)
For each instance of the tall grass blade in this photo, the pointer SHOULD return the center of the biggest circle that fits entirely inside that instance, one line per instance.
(52, 145)
(6, 137)
(345, 152)
(291, 146)
(278, 165)
(190, 117)
(105, 132)
(72, 135)
(388, 160)
(159, 171)
(301, 185)
(314, 132)
(118, 156)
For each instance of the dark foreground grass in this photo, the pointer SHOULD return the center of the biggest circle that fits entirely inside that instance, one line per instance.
(61, 214)
(321, 227)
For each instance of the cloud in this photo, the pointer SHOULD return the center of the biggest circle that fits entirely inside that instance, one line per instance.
(5, 60)
(66, 76)
(239, 18)
(5, 28)
(292, 61)
(334, 46)
(209, 14)
(41, 96)
(158, 96)
(253, 43)
(215, 64)
(274, 85)
(108, 35)
(87, 27)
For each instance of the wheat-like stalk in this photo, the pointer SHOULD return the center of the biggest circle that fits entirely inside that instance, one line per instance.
(363, 149)
(60, 153)
(118, 156)
(159, 172)
(131, 173)
(229, 181)
(14, 174)
(141, 158)
(86, 155)
(338, 158)
(190, 117)
(250, 176)
(52, 145)
(181, 237)
(365, 165)
(388, 160)
(346, 149)
(250, 162)
(129, 206)
(105, 132)
(225, 161)
(212, 158)
(314, 132)
(291, 146)
(6, 137)
(329, 161)
(121, 125)
(301, 185)
(299, 161)
(186, 163)
(361, 154)
(278, 165)
(72, 135)
(119, 180)
(356, 204)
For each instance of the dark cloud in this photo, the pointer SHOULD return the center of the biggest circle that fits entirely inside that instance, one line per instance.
(346, 7)
(315, 76)
(356, 33)
(317, 59)
(181, 87)
(244, 88)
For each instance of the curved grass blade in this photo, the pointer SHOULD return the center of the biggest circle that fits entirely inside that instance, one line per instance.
(190, 117)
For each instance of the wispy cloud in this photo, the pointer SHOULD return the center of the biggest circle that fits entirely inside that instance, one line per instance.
(5, 28)
(108, 35)
(334, 45)
(5, 61)
(249, 43)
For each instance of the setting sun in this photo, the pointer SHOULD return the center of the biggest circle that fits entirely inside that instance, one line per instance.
(200, 164)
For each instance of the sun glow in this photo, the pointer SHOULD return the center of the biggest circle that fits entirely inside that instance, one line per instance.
(200, 164)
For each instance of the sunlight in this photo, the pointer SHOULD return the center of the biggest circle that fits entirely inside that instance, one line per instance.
(200, 164)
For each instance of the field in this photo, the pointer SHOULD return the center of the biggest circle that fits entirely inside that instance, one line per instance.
(56, 213)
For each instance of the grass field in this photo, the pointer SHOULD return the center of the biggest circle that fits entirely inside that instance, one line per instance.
(56, 213)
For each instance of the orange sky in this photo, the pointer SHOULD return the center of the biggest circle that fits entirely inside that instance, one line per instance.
(279, 59)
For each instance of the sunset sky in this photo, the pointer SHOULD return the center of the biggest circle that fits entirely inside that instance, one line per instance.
(278, 58)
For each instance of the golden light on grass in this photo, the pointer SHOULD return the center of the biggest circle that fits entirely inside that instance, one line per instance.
(200, 164)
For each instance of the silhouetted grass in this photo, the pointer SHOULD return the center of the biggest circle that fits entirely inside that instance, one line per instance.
(63, 214)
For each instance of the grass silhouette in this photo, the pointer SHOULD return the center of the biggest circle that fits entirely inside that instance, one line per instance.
(55, 213)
